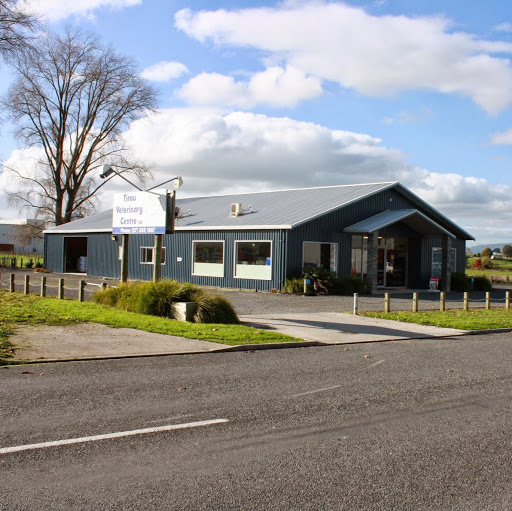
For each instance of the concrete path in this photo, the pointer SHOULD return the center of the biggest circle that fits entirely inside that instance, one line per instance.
(339, 328)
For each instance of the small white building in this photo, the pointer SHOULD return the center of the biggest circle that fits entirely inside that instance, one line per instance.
(10, 238)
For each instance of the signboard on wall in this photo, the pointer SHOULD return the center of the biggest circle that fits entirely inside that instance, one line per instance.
(140, 213)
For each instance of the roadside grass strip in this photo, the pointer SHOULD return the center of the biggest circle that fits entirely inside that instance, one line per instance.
(473, 319)
(19, 309)
(108, 436)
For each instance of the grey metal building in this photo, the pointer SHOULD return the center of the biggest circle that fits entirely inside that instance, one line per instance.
(381, 232)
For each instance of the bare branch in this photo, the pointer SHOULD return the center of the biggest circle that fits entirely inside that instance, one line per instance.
(74, 98)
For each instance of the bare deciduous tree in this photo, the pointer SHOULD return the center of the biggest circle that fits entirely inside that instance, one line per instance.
(73, 98)
(27, 234)
(15, 25)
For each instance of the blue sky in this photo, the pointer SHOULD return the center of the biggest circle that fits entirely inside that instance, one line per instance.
(272, 95)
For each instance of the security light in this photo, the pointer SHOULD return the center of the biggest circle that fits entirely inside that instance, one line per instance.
(107, 171)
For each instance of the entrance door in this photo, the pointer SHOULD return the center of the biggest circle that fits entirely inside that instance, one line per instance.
(390, 267)
(75, 254)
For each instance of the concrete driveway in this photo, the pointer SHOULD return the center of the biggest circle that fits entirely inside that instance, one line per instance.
(339, 328)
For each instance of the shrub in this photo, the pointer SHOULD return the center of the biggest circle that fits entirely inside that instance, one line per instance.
(321, 278)
(478, 264)
(481, 284)
(39, 264)
(29, 263)
(158, 299)
(212, 308)
(459, 282)
(294, 285)
(348, 286)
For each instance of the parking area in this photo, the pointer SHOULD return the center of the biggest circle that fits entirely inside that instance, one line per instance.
(255, 303)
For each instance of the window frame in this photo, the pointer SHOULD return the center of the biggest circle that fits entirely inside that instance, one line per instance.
(193, 272)
(152, 250)
(330, 243)
(235, 259)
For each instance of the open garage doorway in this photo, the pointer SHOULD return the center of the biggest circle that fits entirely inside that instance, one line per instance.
(75, 254)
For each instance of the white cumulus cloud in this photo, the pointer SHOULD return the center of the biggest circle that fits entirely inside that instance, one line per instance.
(218, 152)
(273, 87)
(374, 55)
(164, 71)
(504, 138)
(54, 10)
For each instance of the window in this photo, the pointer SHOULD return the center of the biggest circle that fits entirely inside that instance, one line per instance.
(146, 255)
(208, 258)
(253, 260)
(437, 255)
(320, 255)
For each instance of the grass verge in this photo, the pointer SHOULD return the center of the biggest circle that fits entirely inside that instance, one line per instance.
(20, 309)
(463, 320)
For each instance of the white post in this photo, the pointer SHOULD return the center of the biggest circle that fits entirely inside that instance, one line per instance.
(356, 305)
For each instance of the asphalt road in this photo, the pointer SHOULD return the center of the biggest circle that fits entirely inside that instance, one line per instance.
(396, 425)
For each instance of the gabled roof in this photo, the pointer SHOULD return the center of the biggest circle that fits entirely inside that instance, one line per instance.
(283, 209)
(411, 217)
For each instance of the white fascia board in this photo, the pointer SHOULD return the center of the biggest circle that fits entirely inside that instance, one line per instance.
(232, 228)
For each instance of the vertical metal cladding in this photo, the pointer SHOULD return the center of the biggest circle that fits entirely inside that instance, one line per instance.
(287, 247)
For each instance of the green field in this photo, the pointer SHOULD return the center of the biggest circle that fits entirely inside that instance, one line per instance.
(500, 270)
(19, 260)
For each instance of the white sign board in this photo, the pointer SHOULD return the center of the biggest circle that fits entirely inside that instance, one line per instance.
(139, 213)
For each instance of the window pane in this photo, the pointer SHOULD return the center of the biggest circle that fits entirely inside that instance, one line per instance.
(208, 258)
(320, 255)
(253, 260)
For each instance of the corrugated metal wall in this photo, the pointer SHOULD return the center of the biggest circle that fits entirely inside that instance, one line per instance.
(287, 247)
(103, 256)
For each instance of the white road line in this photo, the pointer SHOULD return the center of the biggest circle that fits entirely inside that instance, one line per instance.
(317, 390)
(119, 434)
(377, 363)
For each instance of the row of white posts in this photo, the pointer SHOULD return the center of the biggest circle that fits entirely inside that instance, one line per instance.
(60, 286)
(442, 301)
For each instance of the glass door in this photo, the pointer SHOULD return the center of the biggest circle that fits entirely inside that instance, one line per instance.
(391, 264)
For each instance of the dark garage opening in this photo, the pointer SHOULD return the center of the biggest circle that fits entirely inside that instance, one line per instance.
(75, 255)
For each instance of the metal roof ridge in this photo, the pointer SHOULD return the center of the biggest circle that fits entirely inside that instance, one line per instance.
(289, 190)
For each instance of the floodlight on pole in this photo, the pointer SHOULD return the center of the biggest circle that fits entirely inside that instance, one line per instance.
(108, 171)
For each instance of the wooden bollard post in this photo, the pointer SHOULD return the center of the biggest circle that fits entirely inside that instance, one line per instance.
(442, 301)
(60, 294)
(415, 302)
(43, 286)
(487, 300)
(12, 285)
(466, 300)
(81, 289)
(507, 300)
(387, 307)
(26, 286)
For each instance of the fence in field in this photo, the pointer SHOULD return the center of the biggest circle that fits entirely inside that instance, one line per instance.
(76, 289)
(387, 302)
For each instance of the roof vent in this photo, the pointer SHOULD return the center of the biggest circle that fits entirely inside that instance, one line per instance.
(237, 209)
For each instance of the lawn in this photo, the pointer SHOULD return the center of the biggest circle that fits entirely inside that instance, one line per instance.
(19, 309)
(463, 320)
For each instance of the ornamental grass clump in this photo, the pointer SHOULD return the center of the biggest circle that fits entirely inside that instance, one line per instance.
(159, 299)
(212, 308)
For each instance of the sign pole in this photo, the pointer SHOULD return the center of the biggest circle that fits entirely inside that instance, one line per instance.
(124, 257)
(157, 260)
